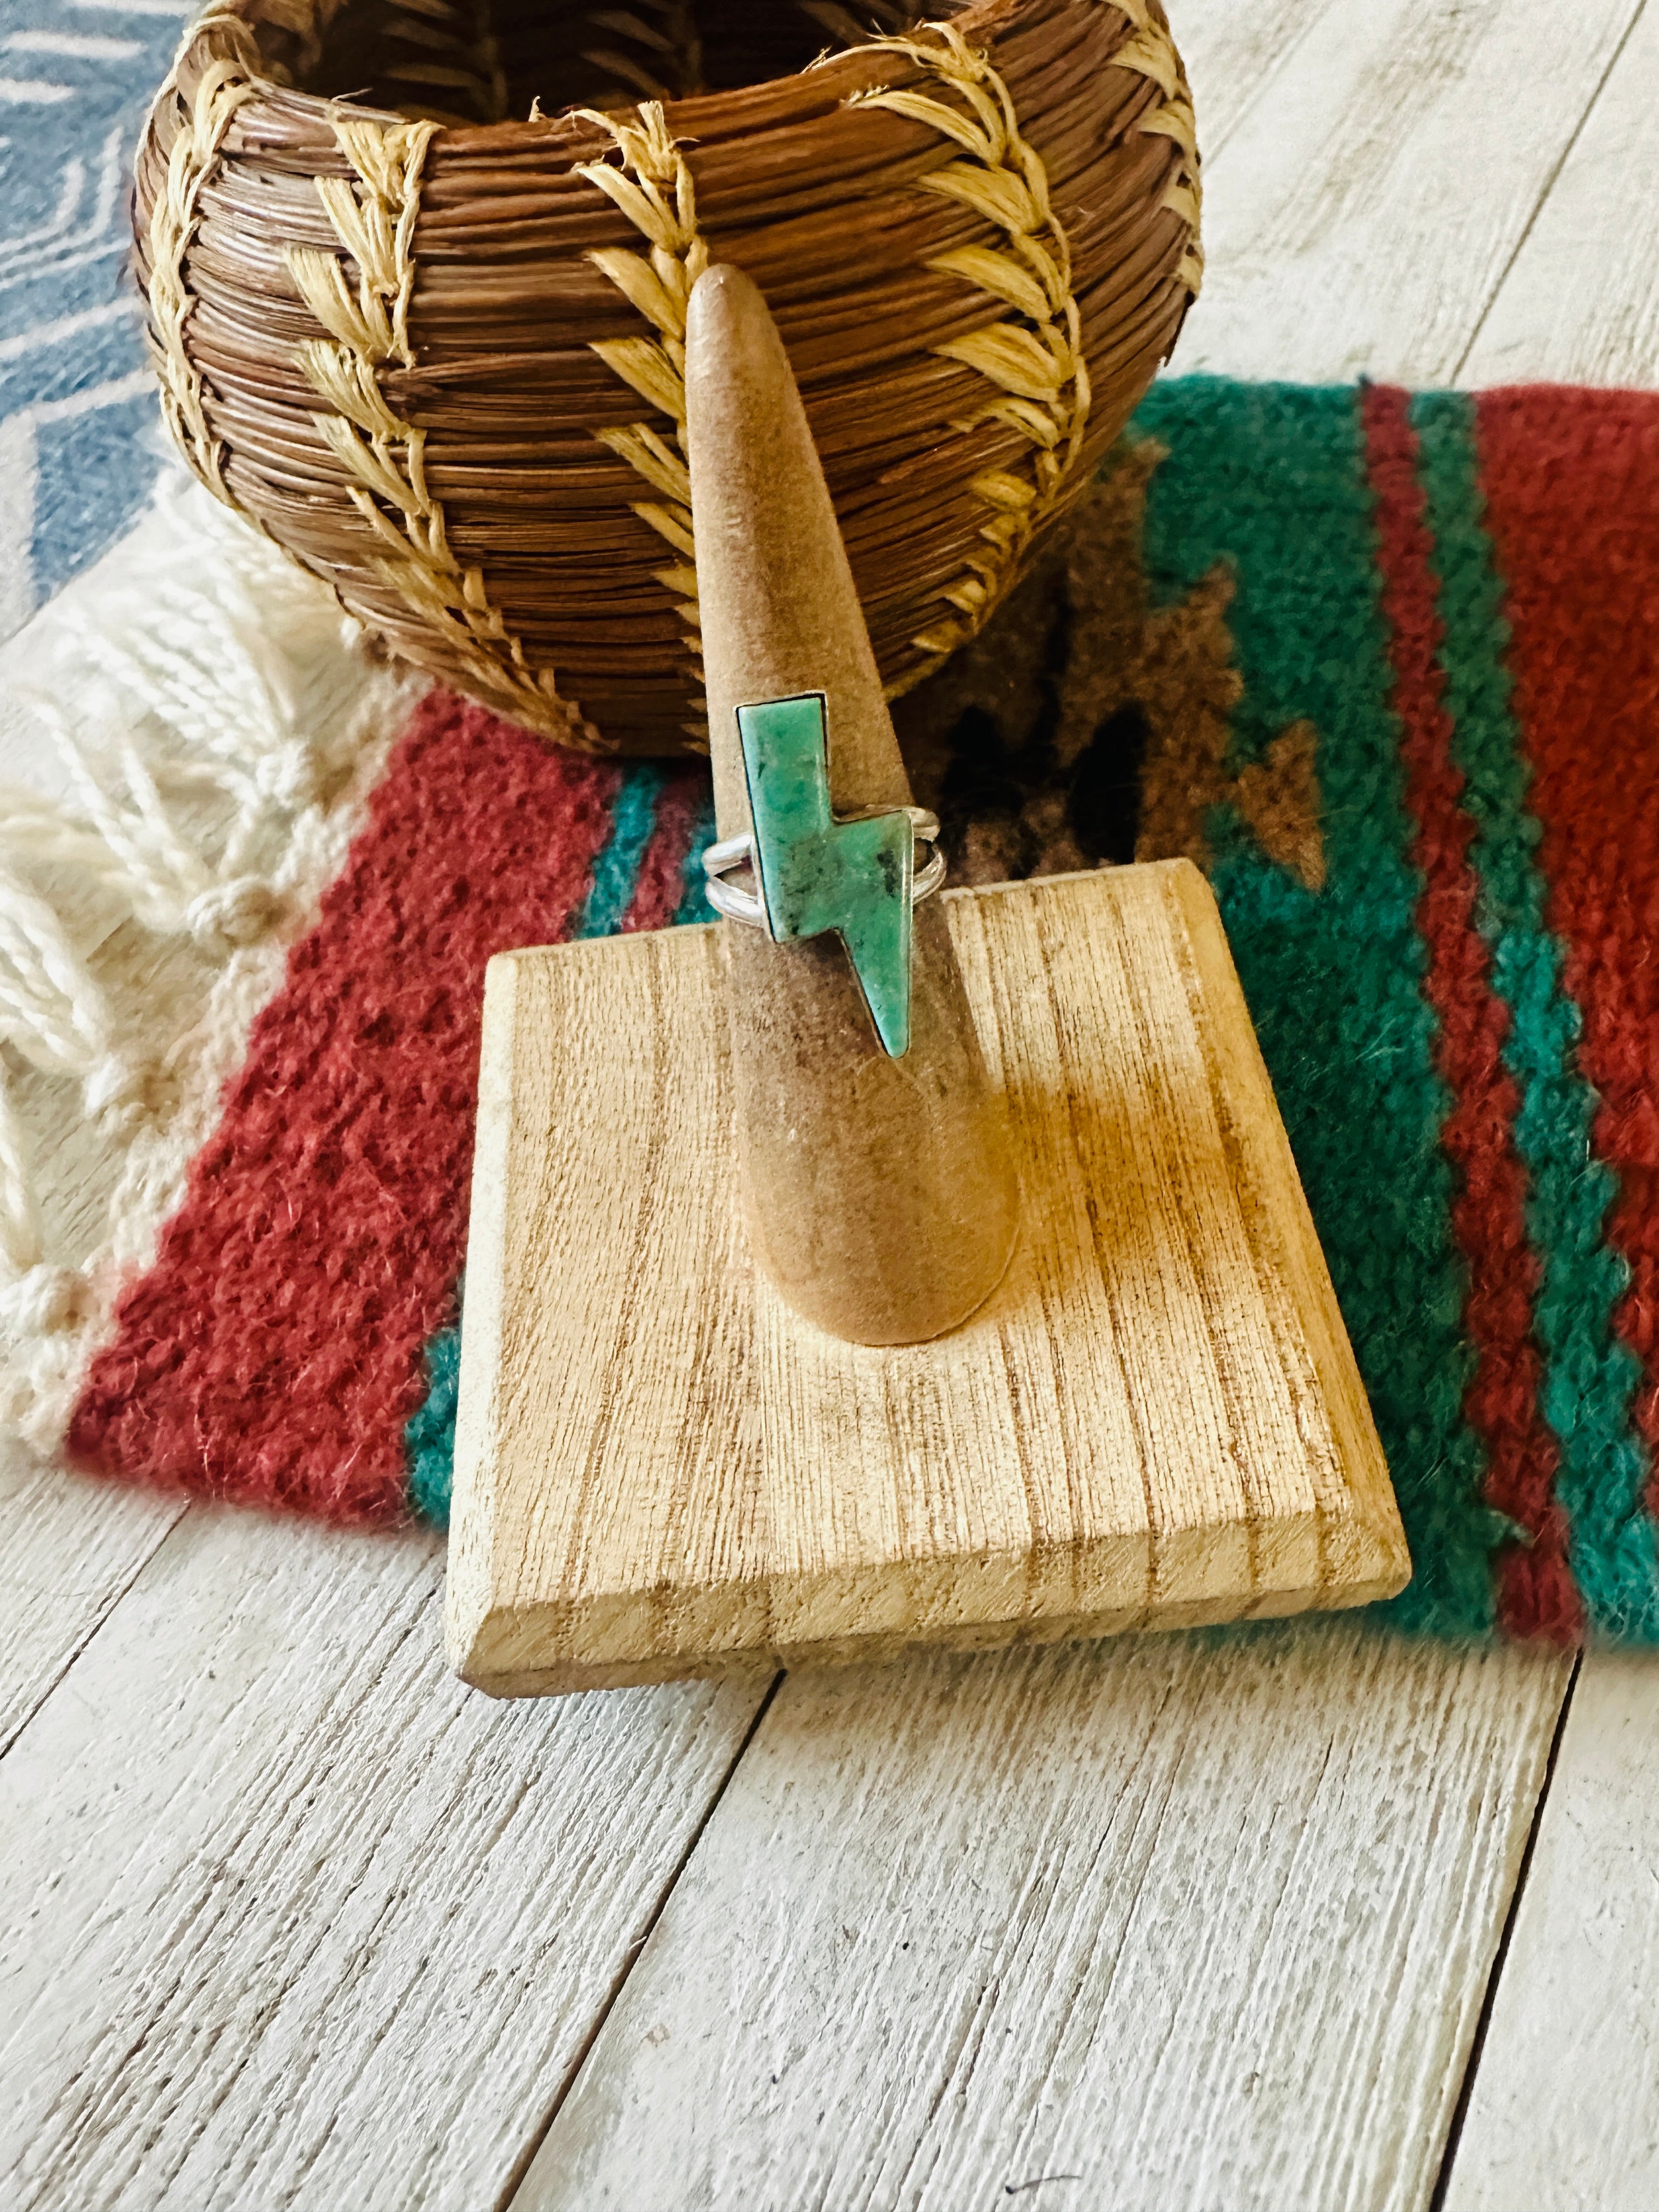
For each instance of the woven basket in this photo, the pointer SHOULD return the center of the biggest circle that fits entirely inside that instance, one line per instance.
(435, 356)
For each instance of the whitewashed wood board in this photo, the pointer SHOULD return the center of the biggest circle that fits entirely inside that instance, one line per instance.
(1198, 1921)
(1564, 2113)
(1365, 211)
(69, 1548)
(288, 1916)
(1580, 305)
(1233, 53)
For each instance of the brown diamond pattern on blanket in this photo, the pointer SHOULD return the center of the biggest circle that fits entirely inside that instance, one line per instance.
(1086, 726)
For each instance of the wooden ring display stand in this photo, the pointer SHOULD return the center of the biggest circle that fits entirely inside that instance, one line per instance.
(775, 1345)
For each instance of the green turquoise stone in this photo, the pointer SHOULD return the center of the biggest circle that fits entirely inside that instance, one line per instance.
(817, 873)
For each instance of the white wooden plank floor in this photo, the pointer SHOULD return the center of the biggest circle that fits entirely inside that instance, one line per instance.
(289, 1918)
(1173, 1922)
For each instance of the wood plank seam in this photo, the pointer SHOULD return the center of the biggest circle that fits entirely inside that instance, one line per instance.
(636, 1950)
(946, 1917)
(1213, 143)
(108, 1603)
(315, 1839)
(1478, 2042)
(1550, 182)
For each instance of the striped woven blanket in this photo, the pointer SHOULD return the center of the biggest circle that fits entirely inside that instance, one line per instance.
(1388, 667)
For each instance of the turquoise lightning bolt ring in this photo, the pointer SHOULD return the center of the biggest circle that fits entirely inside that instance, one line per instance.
(722, 860)
(814, 872)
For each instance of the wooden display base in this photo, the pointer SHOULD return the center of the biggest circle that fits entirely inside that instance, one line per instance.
(1157, 1420)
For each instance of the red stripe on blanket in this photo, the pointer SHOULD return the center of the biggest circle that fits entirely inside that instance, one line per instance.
(1573, 490)
(1536, 1593)
(661, 887)
(272, 1352)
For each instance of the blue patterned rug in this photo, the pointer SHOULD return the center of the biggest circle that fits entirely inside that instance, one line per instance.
(80, 439)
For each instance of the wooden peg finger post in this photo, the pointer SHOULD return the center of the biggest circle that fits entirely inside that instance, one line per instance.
(879, 1193)
(858, 1272)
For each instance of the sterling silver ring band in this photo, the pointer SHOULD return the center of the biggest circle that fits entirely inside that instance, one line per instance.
(739, 905)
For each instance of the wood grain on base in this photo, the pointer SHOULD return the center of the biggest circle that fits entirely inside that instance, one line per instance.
(1156, 1420)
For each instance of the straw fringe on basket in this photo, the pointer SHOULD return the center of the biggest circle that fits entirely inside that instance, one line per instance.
(373, 218)
(654, 190)
(224, 86)
(412, 349)
(1033, 355)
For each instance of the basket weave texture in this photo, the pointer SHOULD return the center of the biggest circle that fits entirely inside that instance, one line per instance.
(436, 356)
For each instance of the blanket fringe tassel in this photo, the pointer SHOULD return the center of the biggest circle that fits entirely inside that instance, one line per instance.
(217, 726)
